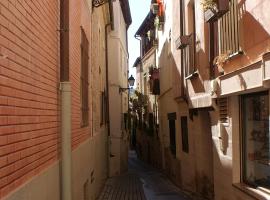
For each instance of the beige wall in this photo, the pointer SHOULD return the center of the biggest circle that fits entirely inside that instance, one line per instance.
(118, 67)
(196, 166)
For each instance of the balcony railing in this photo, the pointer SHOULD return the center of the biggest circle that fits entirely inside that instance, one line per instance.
(147, 46)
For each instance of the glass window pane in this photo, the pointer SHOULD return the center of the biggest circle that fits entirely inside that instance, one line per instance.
(256, 160)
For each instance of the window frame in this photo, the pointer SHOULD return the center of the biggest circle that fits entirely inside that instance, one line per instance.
(185, 140)
(243, 136)
(172, 132)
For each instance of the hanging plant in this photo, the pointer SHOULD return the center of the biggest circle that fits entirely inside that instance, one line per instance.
(208, 4)
(214, 9)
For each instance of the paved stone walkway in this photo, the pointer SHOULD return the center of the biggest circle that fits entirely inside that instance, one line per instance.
(141, 183)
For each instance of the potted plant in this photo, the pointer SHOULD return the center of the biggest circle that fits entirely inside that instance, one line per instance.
(214, 9)
(220, 60)
(182, 42)
(155, 8)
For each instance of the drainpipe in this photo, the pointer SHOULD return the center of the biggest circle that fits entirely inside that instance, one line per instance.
(107, 77)
(65, 90)
(111, 24)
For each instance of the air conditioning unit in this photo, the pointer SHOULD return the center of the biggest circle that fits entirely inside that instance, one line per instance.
(155, 8)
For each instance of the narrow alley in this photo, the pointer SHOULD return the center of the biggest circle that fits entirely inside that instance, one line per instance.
(84, 84)
(141, 182)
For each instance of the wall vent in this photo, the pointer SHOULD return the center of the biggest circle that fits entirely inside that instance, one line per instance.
(223, 110)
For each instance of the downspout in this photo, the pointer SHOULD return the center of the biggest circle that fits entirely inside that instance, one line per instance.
(141, 67)
(107, 77)
(65, 90)
(111, 24)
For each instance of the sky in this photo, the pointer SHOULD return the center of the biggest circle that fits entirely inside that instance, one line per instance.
(139, 10)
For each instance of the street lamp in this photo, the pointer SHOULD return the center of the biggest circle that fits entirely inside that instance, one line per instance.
(131, 81)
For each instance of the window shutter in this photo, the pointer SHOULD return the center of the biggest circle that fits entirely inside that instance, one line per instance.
(223, 110)
(84, 79)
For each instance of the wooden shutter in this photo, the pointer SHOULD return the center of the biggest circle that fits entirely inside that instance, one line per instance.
(223, 110)
(184, 130)
(84, 79)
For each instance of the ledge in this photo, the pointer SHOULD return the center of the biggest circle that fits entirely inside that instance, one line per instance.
(193, 75)
(259, 193)
(203, 100)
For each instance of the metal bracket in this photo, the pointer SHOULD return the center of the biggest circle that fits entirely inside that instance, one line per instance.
(123, 89)
(97, 3)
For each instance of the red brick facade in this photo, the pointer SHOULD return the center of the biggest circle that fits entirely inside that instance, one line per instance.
(29, 82)
(79, 18)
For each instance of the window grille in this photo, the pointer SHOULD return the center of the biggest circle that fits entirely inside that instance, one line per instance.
(229, 30)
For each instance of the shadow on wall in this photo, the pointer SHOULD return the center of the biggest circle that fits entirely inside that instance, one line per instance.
(254, 32)
(197, 82)
(167, 61)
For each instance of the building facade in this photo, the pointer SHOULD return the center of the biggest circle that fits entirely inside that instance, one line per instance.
(213, 103)
(53, 99)
(117, 81)
(240, 128)
(148, 88)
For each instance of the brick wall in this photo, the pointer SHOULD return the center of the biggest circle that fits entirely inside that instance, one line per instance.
(80, 16)
(29, 108)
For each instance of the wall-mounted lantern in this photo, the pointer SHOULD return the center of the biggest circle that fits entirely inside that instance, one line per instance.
(131, 81)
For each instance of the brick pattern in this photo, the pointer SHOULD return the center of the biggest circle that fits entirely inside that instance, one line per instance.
(80, 16)
(123, 187)
(29, 107)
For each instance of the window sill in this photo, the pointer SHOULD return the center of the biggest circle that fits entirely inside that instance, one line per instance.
(235, 55)
(257, 193)
(193, 75)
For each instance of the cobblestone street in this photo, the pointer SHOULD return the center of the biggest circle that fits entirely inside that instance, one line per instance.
(141, 183)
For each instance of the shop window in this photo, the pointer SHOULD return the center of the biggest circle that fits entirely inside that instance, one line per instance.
(184, 129)
(255, 127)
(84, 79)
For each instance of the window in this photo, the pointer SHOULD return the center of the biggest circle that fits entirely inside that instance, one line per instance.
(190, 51)
(172, 118)
(214, 46)
(126, 121)
(102, 108)
(229, 30)
(224, 37)
(84, 79)
(255, 147)
(184, 129)
(151, 121)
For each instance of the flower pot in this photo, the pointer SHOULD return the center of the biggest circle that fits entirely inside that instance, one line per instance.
(182, 42)
(216, 12)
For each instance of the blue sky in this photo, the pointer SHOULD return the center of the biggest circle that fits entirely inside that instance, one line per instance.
(139, 10)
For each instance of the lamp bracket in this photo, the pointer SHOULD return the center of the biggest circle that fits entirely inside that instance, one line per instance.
(97, 3)
(123, 89)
